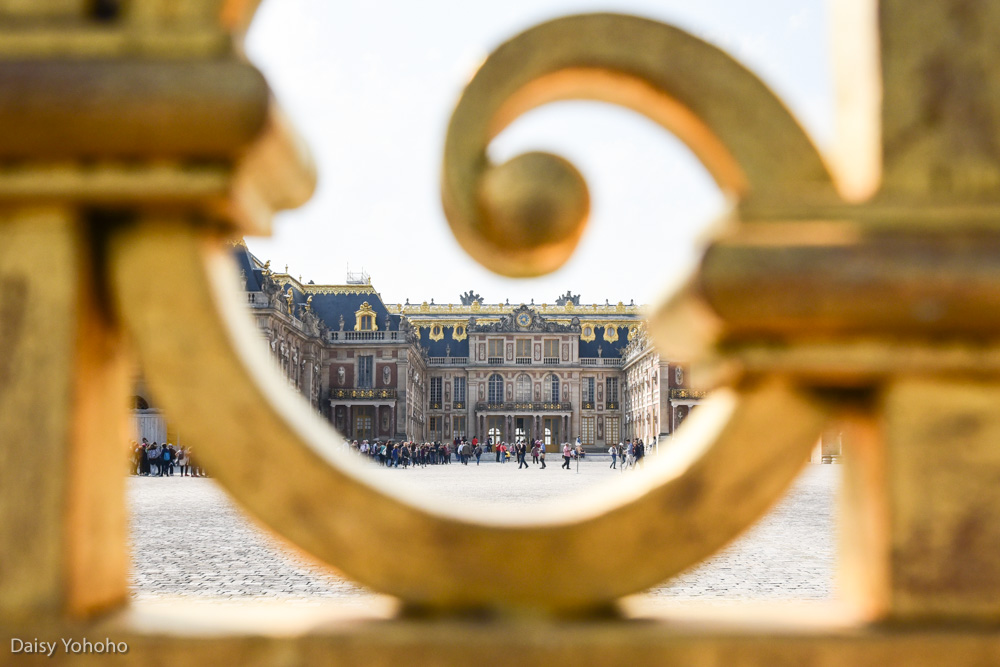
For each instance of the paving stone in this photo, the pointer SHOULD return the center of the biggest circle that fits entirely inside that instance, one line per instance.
(189, 539)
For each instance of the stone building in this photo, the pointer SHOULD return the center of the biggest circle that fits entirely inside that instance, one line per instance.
(430, 371)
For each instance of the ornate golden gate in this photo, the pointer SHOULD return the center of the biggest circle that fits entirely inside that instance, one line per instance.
(135, 139)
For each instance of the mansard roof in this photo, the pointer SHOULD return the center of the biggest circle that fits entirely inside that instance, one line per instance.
(329, 302)
(443, 329)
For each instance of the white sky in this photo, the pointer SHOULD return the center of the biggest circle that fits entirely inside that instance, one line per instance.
(370, 85)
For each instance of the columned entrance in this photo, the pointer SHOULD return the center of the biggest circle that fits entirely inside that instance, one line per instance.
(522, 426)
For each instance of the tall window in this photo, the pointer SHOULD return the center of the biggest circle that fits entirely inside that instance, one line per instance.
(552, 388)
(366, 322)
(523, 348)
(496, 388)
(434, 426)
(611, 393)
(522, 390)
(459, 393)
(587, 430)
(550, 347)
(458, 426)
(587, 391)
(496, 347)
(365, 372)
(436, 393)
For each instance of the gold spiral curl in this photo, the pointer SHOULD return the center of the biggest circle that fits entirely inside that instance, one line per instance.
(525, 217)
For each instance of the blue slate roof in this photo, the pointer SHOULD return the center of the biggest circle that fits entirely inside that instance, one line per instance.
(438, 348)
(609, 350)
(328, 307)
(246, 264)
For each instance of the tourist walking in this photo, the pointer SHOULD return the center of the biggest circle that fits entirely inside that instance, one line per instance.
(567, 454)
(478, 451)
(541, 457)
(522, 455)
(614, 456)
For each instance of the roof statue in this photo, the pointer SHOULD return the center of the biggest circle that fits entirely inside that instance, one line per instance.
(568, 297)
(470, 296)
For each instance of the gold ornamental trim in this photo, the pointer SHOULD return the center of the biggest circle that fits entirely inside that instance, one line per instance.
(365, 311)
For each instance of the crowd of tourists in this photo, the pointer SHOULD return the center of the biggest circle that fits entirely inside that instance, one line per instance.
(627, 454)
(163, 460)
(406, 454)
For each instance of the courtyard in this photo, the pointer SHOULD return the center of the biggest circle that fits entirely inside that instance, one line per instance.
(189, 539)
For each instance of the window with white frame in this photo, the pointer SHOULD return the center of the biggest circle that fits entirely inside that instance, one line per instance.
(496, 388)
(522, 388)
(552, 388)
(436, 392)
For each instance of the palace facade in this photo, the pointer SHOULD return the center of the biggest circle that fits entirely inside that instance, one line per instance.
(552, 371)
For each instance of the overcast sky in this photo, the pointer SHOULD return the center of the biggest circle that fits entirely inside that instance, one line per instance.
(370, 85)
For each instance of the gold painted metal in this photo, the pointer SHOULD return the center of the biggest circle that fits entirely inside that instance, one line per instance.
(914, 375)
(64, 386)
(762, 159)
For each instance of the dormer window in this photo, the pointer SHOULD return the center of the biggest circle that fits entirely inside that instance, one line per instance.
(364, 318)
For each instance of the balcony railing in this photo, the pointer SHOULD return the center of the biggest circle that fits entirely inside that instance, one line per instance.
(448, 361)
(458, 405)
(365, 335)
(533, 406)
(550, 361)
(687, 393)
(495, 361)
(434, 405)
(586, 405)
(612, 405)
(523, 361)
(355, 394)
(601, 361)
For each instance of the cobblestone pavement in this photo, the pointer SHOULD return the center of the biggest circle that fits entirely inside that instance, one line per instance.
(189, 539)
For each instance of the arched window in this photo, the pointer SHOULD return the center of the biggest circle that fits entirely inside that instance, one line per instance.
(496, 388)
(522, 389)
(366, 322)
(552, 388)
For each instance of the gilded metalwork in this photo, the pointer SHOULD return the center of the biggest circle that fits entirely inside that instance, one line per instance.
(919, 219)
(283, 279)
(361, 394)
(364, 318)
(524, 407)
(551, 310)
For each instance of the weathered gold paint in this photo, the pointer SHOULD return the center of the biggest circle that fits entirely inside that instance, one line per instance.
(916, 377)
